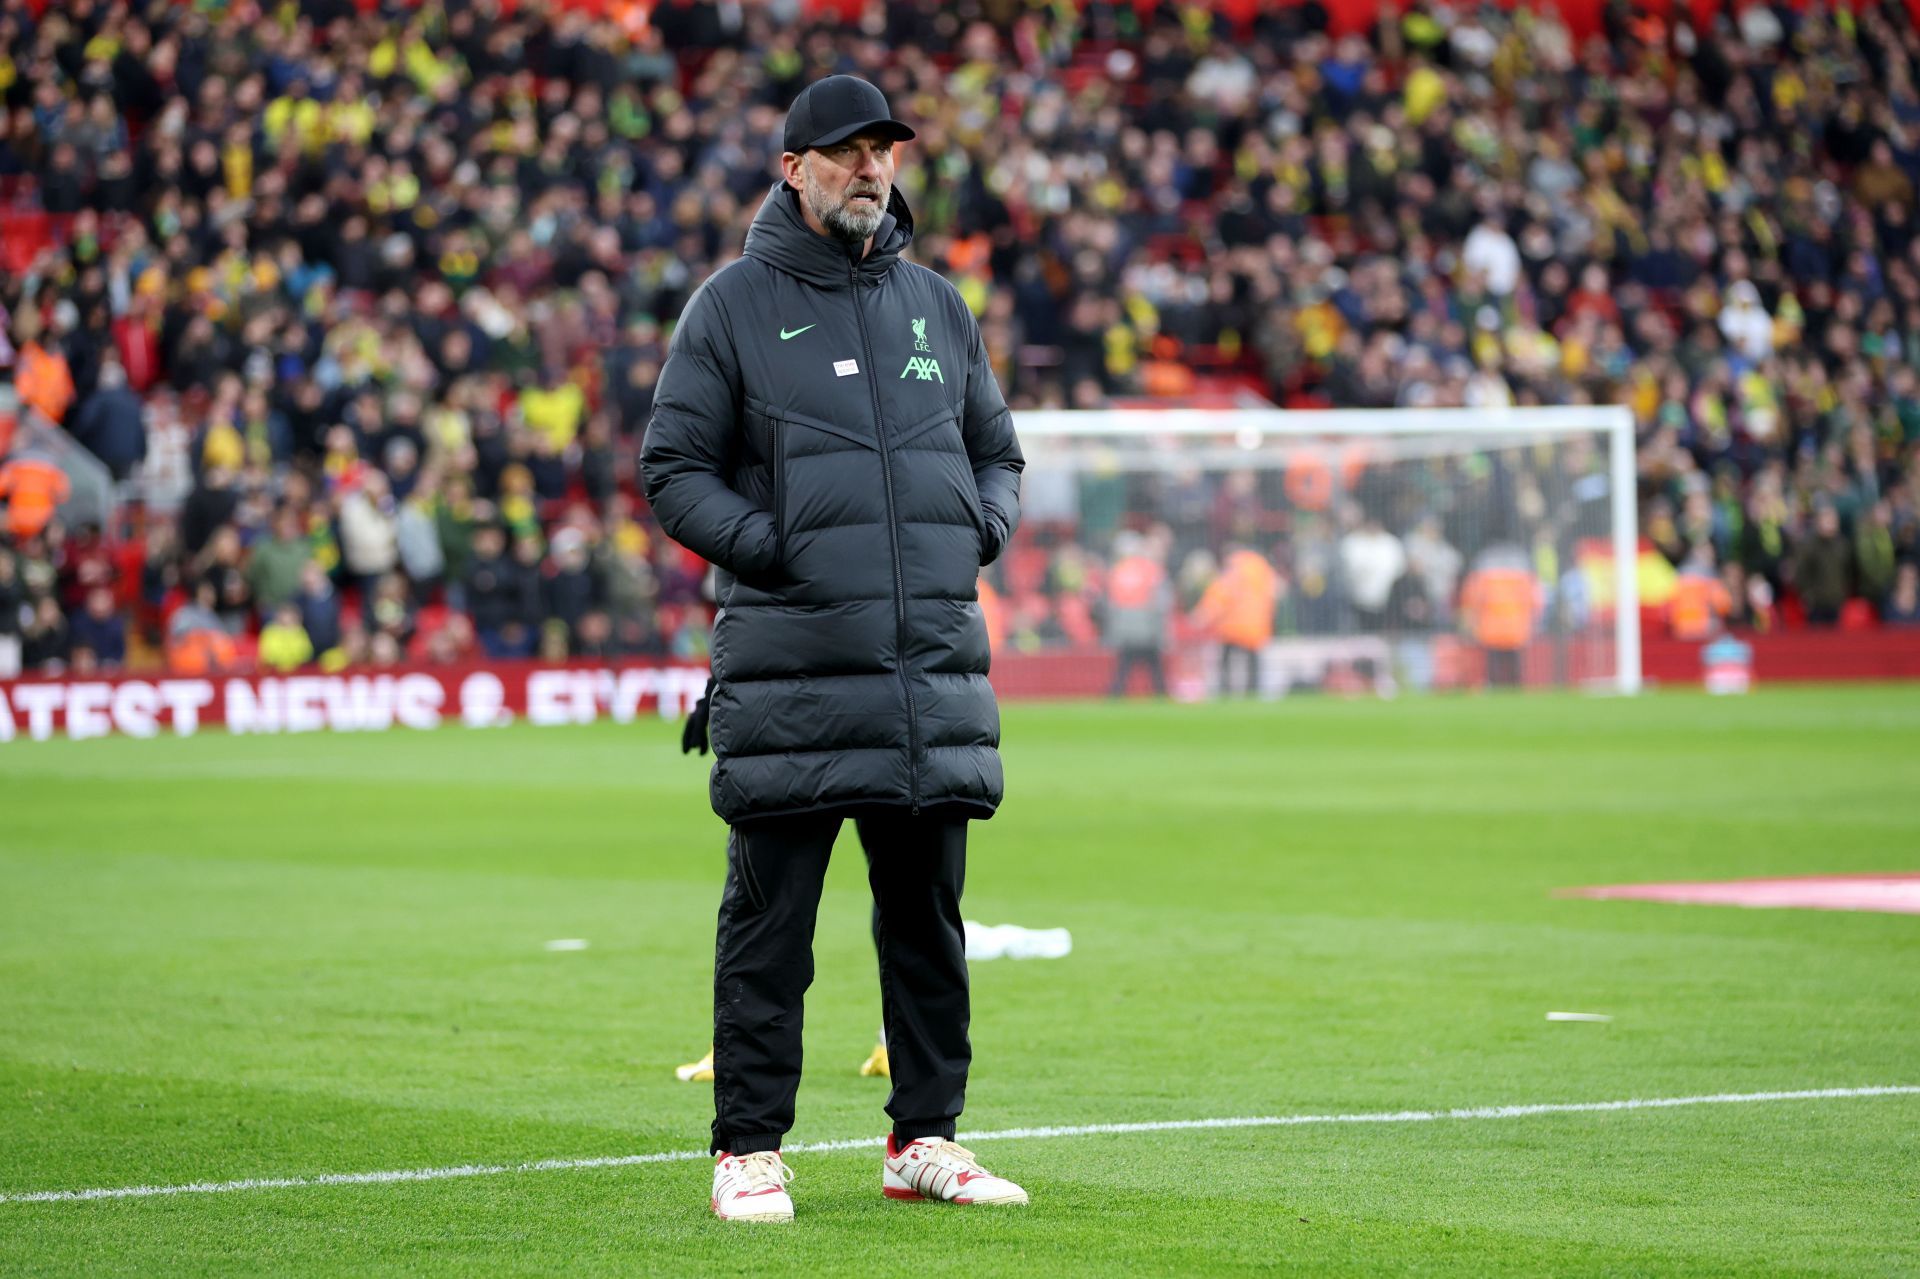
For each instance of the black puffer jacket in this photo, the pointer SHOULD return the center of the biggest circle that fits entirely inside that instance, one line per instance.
(827, 431)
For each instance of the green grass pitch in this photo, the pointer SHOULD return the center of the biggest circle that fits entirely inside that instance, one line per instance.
(228, 957)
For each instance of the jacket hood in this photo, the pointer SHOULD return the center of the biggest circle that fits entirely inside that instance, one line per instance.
(781, 238)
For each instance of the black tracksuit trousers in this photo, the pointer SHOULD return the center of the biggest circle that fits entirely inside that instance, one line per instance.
(763, 964)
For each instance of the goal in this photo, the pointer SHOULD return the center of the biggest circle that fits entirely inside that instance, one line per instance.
(1268, 552)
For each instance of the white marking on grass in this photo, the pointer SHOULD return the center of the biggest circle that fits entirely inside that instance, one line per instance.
(1579, 1016)
(567, 943)
(1000, 1134)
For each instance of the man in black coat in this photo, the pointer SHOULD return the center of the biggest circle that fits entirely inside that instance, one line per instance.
(828, 433)
(13, 600)
(110, 423)
(503, 594)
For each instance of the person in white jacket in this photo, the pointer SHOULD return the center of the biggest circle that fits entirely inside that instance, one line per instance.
(369, 531)
(421, 555)
(1745, 323)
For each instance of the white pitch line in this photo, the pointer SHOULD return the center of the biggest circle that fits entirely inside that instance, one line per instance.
(1001, 1134)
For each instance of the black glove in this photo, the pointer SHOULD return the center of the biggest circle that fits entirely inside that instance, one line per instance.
(693, 735)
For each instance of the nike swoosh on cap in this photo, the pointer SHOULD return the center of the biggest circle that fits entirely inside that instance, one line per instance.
(785, 334)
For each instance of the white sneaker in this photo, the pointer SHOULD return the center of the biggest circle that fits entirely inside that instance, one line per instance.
(935, 1168)
(752, 1187)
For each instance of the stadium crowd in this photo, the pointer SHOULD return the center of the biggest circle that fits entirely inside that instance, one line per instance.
(362, 306)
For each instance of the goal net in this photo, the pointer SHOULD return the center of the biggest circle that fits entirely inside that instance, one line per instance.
(1225, 552)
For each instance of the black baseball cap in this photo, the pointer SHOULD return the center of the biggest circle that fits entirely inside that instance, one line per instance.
(834, 109)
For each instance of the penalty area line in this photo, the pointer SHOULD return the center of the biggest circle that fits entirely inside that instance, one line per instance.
(1001, 1134)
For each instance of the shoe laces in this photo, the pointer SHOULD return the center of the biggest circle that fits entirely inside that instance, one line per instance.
(954, 1152)
(764, 1168)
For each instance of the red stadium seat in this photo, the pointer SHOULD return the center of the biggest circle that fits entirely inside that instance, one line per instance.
(1858, 615)
(1026, 569)
(23, 233)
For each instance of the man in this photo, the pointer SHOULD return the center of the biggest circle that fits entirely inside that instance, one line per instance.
(111, 422)
(1238, 610)
(1371, 561)
(33, 489)
(828, 433)
(502, 595)
(276, 563)
(1138, 602)
(100, 629)
(1822, 569)
(13, 600)
(1499, 606)
(1701, 602)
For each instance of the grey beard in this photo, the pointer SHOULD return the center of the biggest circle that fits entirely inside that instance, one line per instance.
(849, 224)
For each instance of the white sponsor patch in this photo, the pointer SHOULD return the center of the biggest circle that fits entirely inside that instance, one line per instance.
(845, 368)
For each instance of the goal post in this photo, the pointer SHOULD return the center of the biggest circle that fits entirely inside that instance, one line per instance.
(1391, 534)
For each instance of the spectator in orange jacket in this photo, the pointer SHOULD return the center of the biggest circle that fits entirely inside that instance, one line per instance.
(197, 642)
(1498, 605)
(1238, 610)
(33, 491)
(43, 380)
(1138, 600)
(1700, 601)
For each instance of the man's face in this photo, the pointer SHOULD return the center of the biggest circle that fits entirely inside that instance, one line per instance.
(846, 185)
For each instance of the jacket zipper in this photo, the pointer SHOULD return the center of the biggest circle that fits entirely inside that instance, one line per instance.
(777, 440)
(893, 541)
